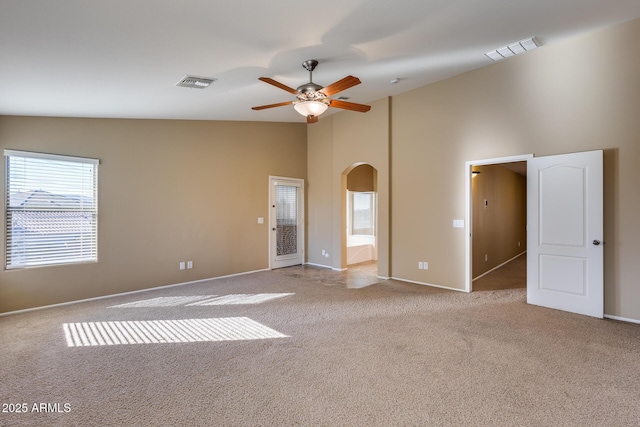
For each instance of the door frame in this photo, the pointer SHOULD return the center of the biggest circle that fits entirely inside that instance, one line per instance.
(301, 219)
(468, 286)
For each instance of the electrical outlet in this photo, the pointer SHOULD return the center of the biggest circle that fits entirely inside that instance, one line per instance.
(420, 265)
(189, 264)
(181, 265)
(425, 265)
(323, 252)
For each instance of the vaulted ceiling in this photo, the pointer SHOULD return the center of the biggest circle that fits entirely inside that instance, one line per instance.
(117, 58)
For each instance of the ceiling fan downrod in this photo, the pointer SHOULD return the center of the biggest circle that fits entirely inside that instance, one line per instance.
(309, 65)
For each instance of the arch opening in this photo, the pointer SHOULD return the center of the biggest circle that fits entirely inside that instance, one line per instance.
(360, 217)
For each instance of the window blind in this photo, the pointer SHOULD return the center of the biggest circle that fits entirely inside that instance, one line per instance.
(286, 220)
(51, 209)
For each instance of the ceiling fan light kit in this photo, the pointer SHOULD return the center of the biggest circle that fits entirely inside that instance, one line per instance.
(310, 108)
(313, 99)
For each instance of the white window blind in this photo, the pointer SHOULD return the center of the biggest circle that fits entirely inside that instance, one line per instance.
(51, 209)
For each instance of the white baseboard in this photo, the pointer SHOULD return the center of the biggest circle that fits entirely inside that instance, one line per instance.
(62, 304)
(427, 284)
(325, 266)
(319, 265)
(622, 319)
(498, 266)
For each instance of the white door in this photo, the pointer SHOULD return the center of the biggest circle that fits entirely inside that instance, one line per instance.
(286, 220)
(565, 233)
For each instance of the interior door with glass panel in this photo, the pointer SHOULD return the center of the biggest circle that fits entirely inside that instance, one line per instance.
(286, 220)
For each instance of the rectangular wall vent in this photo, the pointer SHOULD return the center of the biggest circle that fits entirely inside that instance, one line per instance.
(195, 82)
(513, 49)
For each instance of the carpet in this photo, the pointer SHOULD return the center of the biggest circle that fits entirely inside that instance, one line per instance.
(387, 354)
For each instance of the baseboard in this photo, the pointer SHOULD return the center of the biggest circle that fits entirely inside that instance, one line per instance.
(498, 266)
(318, 265)
(62, 304)
(621, 319)
(325, 266)
(427, 284)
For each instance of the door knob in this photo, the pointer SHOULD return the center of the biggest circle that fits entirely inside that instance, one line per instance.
(596, 242)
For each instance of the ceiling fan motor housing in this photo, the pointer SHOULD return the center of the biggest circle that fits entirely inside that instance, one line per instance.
(309, 87)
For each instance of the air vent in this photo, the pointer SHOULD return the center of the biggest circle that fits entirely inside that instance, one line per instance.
(513, 49)
(195, 82)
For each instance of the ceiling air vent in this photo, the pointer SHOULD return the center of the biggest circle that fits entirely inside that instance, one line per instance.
(513, 49)
(195, 82)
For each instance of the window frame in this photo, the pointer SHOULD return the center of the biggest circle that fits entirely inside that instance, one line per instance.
(71, 213)
(351, 213)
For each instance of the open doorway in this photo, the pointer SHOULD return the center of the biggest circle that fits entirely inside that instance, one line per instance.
(497, 219)
(361, 242)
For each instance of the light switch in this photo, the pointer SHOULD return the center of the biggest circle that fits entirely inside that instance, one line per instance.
(260, 220)
(458, 223)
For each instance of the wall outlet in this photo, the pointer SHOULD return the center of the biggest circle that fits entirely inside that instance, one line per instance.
(323, 252)
(425, 265)
(420, 265)
(181, 265)
(189, 264)
(260, 220)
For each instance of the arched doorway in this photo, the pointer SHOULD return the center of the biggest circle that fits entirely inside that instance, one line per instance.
(360, 233)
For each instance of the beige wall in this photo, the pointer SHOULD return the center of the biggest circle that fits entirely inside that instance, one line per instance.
(580, 95)
(346, 139)
(499, 211)
(169, 191)
(319, 188)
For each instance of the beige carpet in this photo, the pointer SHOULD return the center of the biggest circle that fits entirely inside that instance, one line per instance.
(383, 355)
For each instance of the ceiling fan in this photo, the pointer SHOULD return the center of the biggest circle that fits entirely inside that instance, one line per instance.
(312, 99)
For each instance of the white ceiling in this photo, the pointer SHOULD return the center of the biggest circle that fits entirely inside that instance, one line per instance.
(116, 58)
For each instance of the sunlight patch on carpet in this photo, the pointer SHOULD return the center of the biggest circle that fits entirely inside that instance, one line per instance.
(163, 302)
(202, 300)
(166, 331)
(239, 299)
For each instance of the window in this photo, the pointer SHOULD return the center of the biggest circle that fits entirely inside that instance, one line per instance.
(51, 209)
(362, 213)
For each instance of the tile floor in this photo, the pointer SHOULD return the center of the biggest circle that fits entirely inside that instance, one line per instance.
(356, 276)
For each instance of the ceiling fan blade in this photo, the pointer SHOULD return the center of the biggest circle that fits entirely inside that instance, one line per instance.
(340, 85)
(278, 84)
(280, 104)
(312, 119)
(336, 103)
